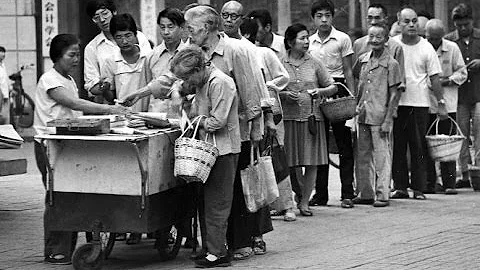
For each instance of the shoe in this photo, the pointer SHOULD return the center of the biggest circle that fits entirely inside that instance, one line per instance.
(462, 184)
(358, 200)
(347, 203)
(190, 242)
(200, 254)
(381, 203)
(450, 191)
(121, 237)
(439, 188)
(317, 202)
(275, 213)
(418, 195)
(134, 238)
(289, 215)
(399, 194)
(305, 212)
(259, 247)
(243, 253)
(211, 261)
(58, 259)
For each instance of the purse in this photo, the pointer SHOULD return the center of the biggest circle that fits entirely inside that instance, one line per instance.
(258, 182)
(312, 126)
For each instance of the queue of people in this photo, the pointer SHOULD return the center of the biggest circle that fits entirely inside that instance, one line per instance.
(251, 84)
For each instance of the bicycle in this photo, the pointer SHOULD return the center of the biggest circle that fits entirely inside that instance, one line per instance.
(21, 104)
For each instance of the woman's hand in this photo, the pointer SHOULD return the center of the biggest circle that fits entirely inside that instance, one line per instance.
(290, 96)
(130, 99)
(119, 109)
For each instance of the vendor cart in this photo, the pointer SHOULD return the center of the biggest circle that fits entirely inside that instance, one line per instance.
(116, 183)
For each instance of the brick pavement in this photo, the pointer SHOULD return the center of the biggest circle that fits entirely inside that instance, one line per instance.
(442, 232)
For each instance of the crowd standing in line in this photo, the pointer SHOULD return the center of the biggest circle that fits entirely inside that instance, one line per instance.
(251, 84)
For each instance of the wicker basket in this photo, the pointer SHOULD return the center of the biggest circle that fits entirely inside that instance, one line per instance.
(194, 158)
(444, 147)
(339, 109)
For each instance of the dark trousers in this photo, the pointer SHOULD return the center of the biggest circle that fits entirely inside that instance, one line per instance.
(409, 129)
(243, 225)
(448, 169)
(55, 242)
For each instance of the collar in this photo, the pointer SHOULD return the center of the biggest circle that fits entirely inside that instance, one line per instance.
(305, 57)
(100, 38)
(220, 45)
(443, 47)
(475, 34)
(277, 43)
(119, 58)
(162, 47)
(333, 35)
(382, 60)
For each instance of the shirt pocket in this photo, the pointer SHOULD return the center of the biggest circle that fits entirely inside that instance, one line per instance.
(333, 60)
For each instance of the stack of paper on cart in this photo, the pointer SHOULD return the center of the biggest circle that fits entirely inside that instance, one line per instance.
(9, 138)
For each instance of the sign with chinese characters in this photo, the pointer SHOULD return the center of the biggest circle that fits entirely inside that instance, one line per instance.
(148, 19)
(49, 24)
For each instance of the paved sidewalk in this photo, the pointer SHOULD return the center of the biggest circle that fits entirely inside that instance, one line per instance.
(442, 232)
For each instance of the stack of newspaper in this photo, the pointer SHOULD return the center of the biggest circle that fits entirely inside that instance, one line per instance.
(9, 138)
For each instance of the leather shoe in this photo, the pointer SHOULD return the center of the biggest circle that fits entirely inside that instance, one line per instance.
(347, 203)
(399, 194)
(451, 191)
(218, 262)
(462, 184)
(358, 200)
(418, 195)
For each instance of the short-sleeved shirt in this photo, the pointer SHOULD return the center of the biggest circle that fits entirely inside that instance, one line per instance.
(468, 92)
(278, 46)
(126, 78)
(376, 78)
(46, 108)
(307, 74)
(421, 62)
(331, 51)
(4, 81)
(453, 67)
(98, 50)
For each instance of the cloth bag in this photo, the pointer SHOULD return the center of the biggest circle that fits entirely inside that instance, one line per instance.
(258, 182)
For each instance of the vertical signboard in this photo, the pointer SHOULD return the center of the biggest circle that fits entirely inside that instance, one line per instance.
(148, 19)
(49, 24)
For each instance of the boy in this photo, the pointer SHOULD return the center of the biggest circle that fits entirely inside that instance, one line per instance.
(379, 76)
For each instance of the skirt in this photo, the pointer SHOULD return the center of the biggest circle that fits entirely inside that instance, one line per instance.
(303, 148)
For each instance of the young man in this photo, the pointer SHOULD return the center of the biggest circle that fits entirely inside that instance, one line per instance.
(171, 23)
(4, 87)
(265, 36)
(334, 49)
(103, 46)
(410, 126)
(379, 77)
(468, 40)
(454, 74)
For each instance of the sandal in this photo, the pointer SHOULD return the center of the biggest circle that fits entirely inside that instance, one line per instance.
(305, 212)
(58, 259)
(289, 215)
(417, 195)
(259, 247)
(242, 253)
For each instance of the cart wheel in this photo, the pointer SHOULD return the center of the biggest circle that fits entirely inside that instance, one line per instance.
(168, 243)
(79, 258)
(107, 239)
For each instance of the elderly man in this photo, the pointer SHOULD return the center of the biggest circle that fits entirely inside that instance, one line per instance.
(453, 75)
(238, 61)
(421, 63)
(468, 40)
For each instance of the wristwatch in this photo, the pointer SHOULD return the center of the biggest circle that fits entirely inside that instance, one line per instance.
(441, 101)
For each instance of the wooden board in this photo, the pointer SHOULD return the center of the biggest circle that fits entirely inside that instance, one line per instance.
(13, 166)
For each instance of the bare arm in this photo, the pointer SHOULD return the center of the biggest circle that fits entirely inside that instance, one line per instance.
(348, 73)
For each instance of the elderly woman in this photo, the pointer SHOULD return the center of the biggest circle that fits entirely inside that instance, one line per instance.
(56, 97)
(216, 99)
(305, 139)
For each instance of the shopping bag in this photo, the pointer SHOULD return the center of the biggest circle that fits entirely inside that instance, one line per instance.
(258, 182)
(271, 147)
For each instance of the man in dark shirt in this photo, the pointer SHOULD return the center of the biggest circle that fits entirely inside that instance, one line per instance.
(468, 40)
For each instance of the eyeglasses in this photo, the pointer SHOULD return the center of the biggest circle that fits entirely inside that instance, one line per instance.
(103, 14)
(234, 16)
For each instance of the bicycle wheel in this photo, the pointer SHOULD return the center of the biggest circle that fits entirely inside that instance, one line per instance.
(26, 117)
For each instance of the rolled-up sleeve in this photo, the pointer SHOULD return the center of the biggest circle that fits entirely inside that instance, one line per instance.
(222, 94)
(279, 75)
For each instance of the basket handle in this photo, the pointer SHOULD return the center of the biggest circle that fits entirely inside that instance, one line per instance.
(437, 120)
(213, 135)
(344, 86)
(191, 124)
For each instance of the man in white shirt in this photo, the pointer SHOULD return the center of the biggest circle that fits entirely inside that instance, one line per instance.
(4, 87)
(421, 64)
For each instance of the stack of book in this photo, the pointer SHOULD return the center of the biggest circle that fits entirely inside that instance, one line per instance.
(9, 138)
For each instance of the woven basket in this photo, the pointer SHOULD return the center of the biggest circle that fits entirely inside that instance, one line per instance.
(444, 147)
(339, 109)
(194, 158)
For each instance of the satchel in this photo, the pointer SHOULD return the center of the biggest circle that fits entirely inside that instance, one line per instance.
(258, 182)
(312, 125)
(271, 147)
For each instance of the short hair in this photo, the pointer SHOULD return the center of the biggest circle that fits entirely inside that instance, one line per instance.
(190, 6)
(262, 15)
(386, 29)
(173, 14)
(94, 5)
(188, 59)
(321, 5)
(291, 33)
(123, 22)
(208, 14)
(60, 44)
(2, 49)
(380, 6)
(249, 26)
(462, 11)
